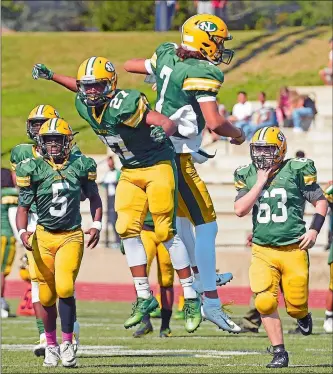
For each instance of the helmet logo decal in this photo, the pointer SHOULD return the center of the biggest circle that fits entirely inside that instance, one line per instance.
(109, 67)
(56, 113)
(280, 136)
(207, 26)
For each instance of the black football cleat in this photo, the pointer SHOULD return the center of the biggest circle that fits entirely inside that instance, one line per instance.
(305, 324)
(280, 359)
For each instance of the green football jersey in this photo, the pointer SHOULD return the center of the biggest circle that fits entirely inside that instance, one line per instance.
(122, 126)
(9, 199)
(277, 216)
(24, 151)
(182, 83)
(56, 191)
(149, 220)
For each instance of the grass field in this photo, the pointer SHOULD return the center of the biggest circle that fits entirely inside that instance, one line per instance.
(106, 347)
(264, 61)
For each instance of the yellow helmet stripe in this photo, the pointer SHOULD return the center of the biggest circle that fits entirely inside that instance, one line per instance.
(89, 67)
(40, 110)
(262, 133)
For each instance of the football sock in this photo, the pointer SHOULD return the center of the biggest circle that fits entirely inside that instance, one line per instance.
(189, 292)
(51, 338)
(180, 303)
(166, 315)
(197, 277)
(40, 326)
(142, 287)
(158, 298)
(205, 254)
(67, 337)
(178, 253)
(212, 302)
(67, 312)
(146, 318)
(328, 314)
(185, 231)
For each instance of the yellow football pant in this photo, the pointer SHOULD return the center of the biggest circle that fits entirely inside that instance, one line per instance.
(32, 266)
(140, 188)
(287, 265)
(194, 201)
(57, 262)
(331, 277)
(8, 251)
(154, 247)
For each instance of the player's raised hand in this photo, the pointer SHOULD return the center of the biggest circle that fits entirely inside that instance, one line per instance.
(239, 140)
(263, 175)
(94, 237)
(41, 71)
(308, 239)
(25, 240)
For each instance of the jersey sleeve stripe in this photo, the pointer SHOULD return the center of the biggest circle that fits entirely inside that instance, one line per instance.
(92, 175)
(13, 165)
(201, 84)
(137, 116)
(204, 99)
(148, 65)
(239, 185)
(153, 60)
(23, 181)
(309, 179)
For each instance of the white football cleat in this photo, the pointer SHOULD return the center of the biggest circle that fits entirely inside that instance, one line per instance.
(219, 318)
(67, 355)
(52, 356)
(328, 325)
(76, 336)
(223, 278)
(39, 349)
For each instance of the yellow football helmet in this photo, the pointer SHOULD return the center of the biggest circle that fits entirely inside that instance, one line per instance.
(268, 147)
(206, 34)
(39, 115)
(55, 139)
(96, 81)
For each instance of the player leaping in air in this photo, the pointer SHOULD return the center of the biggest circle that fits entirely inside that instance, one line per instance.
(123, 120)
(276, 190)
(188, 81)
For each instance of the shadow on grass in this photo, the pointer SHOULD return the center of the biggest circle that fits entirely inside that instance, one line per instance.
(300, 41)
(140, 365)
(264, 47)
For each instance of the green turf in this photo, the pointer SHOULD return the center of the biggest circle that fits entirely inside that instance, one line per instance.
(106, 347)
(264, 61)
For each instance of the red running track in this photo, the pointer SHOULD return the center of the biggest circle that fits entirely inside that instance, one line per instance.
(125, 292)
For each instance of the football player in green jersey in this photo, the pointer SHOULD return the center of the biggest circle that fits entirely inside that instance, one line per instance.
(188, 81)
(123, 120)
(54, 182)
(39, 115)
(9, 197)
(328, 324)
(276, 190)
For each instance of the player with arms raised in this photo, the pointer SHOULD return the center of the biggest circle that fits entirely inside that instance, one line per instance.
(123, 120)
(276, 190)
(54, 182)
(188, 81)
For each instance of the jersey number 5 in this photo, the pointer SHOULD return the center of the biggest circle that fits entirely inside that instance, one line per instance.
(264, 213)
(165, 75)
(59, 200)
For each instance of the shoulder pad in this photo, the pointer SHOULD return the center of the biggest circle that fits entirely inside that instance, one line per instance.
(166, 47)
(243, 170)
(76, 150)
(205, 69)
(24, 170)
(300, 163)
(88, 167)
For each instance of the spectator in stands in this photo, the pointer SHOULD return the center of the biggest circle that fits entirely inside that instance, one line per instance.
(300, 154)
(164, 12)
(220, 8)
(283, 105)
(242, 112)
(204, 6)
(110, 182)
(326, 74)
(263, 117)
(303, 112)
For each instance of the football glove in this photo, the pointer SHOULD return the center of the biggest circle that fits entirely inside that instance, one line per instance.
(41, 71)
(122, 249)
(157, 134)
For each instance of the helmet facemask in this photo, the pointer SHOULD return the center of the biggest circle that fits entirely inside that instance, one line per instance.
(265, 156)
(95, 92)
(33, 127)
(221, 55)
(55, 147)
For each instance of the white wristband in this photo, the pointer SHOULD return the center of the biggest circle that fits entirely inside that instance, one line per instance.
(97, 225)
(21, 232)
